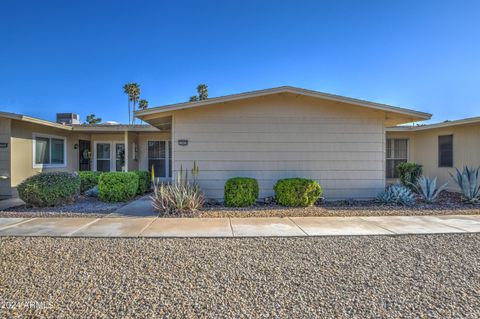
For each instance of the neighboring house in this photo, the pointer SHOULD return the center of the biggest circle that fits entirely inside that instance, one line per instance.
(439, 148)
(29, 146)
(269, 134)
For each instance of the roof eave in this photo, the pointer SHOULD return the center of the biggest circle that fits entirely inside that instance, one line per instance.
(285, 89)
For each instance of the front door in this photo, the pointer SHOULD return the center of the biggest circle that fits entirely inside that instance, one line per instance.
(84, 153)
(109, 157)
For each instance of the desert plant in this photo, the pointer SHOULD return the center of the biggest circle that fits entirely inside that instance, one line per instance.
(117, 186)
(182, 175)
(468, 182)
(49, 188)
(144, 184)
(241, 191)
(297, 192)
(183, 198)
(409, 174)
(88, 180)
(397, 194)
(427, 188)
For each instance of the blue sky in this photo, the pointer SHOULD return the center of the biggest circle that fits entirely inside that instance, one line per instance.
(62, 56)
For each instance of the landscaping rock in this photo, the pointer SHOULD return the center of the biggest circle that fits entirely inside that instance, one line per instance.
(433, 276)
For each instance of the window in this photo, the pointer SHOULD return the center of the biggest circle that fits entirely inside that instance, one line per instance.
(120, 157)
(445, 151)
(159, 157)
(103, 157)
(396, 153)
(49, 151)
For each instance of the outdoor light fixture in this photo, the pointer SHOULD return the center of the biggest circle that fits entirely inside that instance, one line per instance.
(183, 142)
(75, 146)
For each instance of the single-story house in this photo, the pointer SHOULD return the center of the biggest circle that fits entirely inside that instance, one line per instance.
(348, 145)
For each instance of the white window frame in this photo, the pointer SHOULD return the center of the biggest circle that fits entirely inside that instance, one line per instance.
(393, 151)
(167, 162)
(34, 150)
(113, 158)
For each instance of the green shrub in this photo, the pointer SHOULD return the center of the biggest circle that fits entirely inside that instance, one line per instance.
(88, 180)
(117, 186)
(241, 191)
(49, 188)
(409, 174)
(297, 192)
(144, 185)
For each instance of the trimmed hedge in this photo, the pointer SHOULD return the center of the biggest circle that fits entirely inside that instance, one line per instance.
(144, 185)
(409, 174)
(117, 186)
(49, 188)
(88, 180)
(297, 192)
(241, 191)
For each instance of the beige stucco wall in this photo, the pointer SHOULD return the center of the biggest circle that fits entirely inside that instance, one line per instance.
(5, 184)
(339, 145)
(423, 148)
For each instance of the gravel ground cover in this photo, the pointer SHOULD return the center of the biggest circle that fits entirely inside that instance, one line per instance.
(354, 277)
(82, 207)
(448, 203)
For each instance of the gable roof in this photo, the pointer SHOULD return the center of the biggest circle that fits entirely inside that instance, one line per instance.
(81, 127)
(29, 119)
(285, 89)
(465, 121)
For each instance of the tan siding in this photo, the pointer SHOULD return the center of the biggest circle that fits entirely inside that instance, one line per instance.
(5, 185)
(276, 137)
(22, 150)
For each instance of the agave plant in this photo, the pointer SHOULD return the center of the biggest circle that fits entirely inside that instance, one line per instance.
(427, 188)
(469, 183)
(397, 194)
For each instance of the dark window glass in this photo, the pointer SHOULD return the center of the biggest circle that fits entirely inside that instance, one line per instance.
(103, 157)
(396, 153)
(445, 151)
(156, 158)
(120, 157)
(42, 150)
(58, 151)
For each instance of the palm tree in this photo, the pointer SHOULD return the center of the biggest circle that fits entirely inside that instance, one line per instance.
(92, 119)
(126, 90)
(202, 90)
(135, 96)
(143, 104)
(193, 98)
(133, 92)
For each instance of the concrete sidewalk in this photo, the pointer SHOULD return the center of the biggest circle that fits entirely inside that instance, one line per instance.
(238, 227)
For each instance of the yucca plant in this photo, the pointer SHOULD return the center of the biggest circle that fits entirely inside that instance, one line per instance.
(469, 183)
(427, 188)
(183, 196)
(397, 194)
(177, 198)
